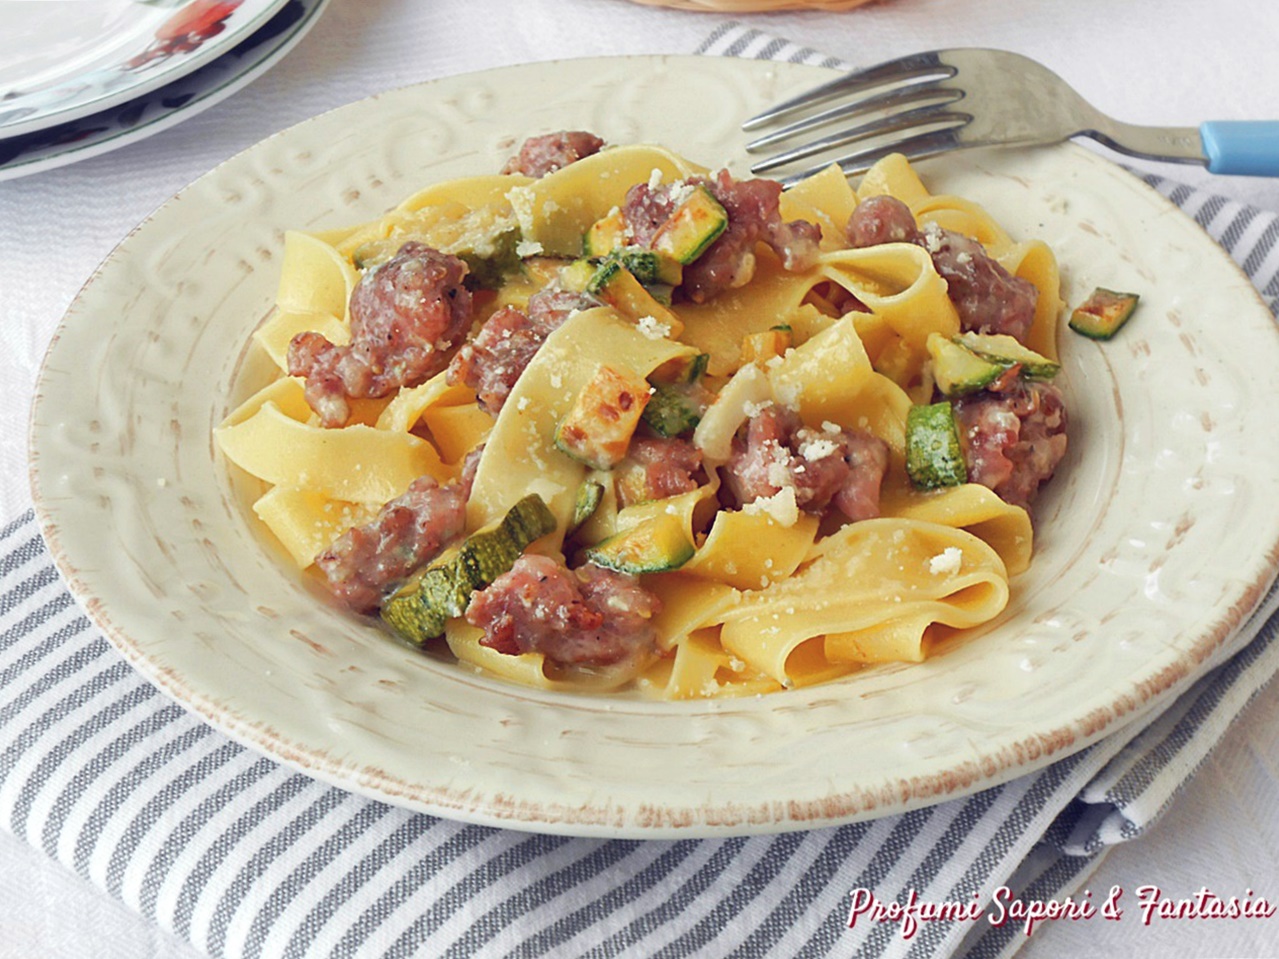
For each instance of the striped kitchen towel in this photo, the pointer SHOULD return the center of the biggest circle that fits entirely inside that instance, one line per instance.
(244, 858)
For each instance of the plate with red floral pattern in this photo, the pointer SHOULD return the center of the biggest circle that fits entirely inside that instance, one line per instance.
(55, 68)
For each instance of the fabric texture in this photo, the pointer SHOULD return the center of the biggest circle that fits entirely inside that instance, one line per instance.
(245, 858)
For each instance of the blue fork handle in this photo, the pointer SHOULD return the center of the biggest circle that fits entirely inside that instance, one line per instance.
(1242, 147)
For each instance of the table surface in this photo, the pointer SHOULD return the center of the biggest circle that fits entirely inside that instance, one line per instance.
(1173, 62)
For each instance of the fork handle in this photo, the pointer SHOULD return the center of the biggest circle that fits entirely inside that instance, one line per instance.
(1242, 147)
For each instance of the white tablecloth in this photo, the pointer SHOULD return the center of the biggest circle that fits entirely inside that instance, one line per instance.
(1154, 61)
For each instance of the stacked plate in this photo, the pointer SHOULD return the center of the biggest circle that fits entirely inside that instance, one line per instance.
(80, 79)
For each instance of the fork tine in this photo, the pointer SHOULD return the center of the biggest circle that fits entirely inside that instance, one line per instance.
(935, 96)
(898, 123)
(913, 148)
(904, 68)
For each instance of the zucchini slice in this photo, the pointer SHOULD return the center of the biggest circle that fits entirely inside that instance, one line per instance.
(673, 409)
(694, 226)
(589, 496)
(650, 266)
(598, 429)
(605, 235)
(617, 286)
(656, 545)
(934, 456)
(442, 589)
(678, 398)
(1101, 315)
(1005, 349)
(957, 370)
(577, 275)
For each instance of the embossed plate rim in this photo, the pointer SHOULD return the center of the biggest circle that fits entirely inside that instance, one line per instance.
(182, 582)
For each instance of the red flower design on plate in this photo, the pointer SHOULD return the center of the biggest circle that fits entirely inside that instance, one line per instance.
(186, 30)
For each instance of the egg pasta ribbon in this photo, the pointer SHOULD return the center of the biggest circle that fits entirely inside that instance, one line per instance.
(908, 575)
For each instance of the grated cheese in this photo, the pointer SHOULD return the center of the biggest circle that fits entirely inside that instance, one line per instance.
(814, 450)
(932, 237)
(653, 328)
(781, 507)
(947, 562)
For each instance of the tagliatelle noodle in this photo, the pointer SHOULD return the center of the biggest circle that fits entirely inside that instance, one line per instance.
(826, 199)
(703, 669)
(716, 328)
(471, 192)
(456, 430)
(693, 508)
(894, 176)
(961, 215)
(287, 393)
(403, 412)
(897, 282)
(868, 575)
(971, 507)
(1032, 260)
(830, 379)
(776, 549)
(278, 331)
(688, 605)
(526, 669)
(314, 277)
(357, 464)
(307, 522)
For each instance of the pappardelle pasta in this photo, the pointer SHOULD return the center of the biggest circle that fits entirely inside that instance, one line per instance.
(608, 419)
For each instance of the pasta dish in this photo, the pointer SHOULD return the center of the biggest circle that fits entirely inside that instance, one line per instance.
(607, 418)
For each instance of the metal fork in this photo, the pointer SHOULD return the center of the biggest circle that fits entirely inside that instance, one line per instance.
(930, 103)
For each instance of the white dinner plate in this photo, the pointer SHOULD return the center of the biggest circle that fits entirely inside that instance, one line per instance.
(63, 60)
(1154, 541)
(166, 106)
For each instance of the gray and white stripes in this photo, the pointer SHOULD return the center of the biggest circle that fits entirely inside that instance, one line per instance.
(244, 858)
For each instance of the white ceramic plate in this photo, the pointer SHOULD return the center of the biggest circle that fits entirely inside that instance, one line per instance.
(60, 61)
(166, 106)
(1156, 539)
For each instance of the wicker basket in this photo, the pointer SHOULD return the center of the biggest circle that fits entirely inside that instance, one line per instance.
(754, 6)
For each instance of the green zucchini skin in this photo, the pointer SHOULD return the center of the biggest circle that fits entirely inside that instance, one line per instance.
(1002, 348)
(693, 227)
(440, 591)
(678, 400)
(589, 496)
(958, 371)
(934, 454)
(650, 266)
(1103, 314)
(656, 545)
(672, 410)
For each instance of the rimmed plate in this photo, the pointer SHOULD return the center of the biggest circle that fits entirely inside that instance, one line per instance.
(57, 67)
(1156, 539)
(166, 106)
